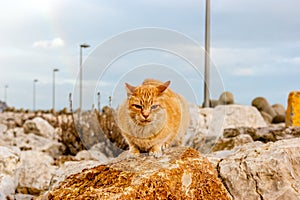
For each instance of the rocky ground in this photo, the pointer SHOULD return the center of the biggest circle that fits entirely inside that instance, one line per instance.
(249, 156)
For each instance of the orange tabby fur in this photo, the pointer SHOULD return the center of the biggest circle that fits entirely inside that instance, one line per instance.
(153, 117)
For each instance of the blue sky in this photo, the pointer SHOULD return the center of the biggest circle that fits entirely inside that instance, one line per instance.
(254, 44)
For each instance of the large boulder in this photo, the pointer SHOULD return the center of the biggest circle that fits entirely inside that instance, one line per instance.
(234, 116)
(9, 165)
(38, 143)
(226, 98)
(280, 113)
(39, 127)
(181, 173)
(36, 172)
(265, 108)
(262, 171)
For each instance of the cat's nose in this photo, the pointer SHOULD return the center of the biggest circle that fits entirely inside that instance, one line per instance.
(145, 116)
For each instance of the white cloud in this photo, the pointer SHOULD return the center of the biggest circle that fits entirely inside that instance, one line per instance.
(55, 43)
(244, 72)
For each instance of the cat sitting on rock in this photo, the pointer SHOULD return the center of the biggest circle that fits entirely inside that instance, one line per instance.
(153, 117)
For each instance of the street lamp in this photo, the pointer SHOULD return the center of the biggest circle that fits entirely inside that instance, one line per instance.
(207, 52)
(34, 96)
(84, 45)
(5, 93)
(53, 90)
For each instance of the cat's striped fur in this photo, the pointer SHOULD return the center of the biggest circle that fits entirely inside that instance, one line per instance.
(153, 117)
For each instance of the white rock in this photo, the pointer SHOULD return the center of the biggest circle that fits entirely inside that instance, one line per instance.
(39, 127)
(20, 196)
(91, 155)
(9, 174)
(38, 143)
(200, 118)
(234, 116)
(263, 171)
(36, 171)
(3, 129)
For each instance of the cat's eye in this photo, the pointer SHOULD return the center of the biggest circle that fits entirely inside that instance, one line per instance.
(154, 107)
(137, 106)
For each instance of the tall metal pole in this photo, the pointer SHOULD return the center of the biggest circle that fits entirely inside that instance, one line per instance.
(80, 74)
(80, 79)
(53, 89)
(207, 53)
(34, 93)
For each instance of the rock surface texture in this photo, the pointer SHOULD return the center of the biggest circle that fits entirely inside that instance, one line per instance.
(293, 110)
(234, 116)
(181, 173)
(9, 165)
(263, 171)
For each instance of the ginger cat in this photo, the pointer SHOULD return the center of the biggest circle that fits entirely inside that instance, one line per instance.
(153, 117)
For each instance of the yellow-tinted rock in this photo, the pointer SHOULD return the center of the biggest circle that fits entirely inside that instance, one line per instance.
(180, 173)
(293, 109)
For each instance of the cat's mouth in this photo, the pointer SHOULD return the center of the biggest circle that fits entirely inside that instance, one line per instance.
(145, 121)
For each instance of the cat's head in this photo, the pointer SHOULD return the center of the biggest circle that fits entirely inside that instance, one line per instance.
(146, 102)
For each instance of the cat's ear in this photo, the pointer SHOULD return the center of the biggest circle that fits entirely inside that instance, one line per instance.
(130, 89)
(163, 87)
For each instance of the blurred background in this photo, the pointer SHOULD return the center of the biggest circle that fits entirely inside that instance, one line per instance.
(254, 44)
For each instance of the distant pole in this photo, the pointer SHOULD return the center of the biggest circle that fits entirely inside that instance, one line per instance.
(109, 101)
(5, 94)
(99, 106)
(34, 93)
(84, 45)
(70, 102)
(53, 89)
(207, 53)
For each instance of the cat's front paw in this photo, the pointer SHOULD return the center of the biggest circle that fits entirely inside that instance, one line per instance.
(165, 146)
(156, 152)
(133, 152)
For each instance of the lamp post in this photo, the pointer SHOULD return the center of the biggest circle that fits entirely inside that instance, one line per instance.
(53, 89)
(207, 52)
(34, 96)
(84, 45)
(5, 93)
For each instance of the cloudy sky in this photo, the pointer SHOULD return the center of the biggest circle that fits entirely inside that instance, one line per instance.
(255, 44)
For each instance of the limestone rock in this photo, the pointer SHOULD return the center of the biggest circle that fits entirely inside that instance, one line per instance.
(9, 165)
(3, 129)
(234, 116)
(233, 137)
(38, 143)
(35, 173)
(39, 127)
(181, 173)
(91, 155)
(263, 171)
(230, 143)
